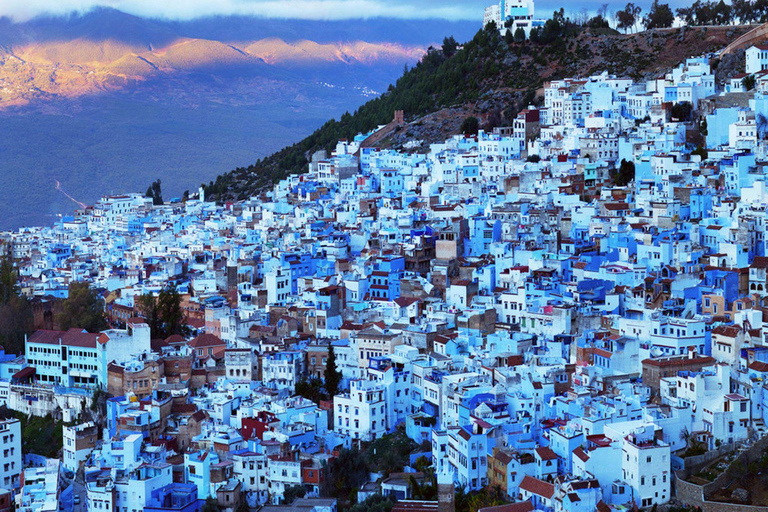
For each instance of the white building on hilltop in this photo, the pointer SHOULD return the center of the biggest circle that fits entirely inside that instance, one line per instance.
(518, 12)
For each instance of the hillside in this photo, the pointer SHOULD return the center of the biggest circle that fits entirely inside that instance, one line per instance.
(489, 77)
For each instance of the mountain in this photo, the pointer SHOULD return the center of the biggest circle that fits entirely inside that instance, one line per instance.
(106, 102)
(490, 77)
(108, 50)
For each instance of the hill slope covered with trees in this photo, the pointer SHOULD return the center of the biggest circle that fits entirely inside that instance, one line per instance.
(490, 77)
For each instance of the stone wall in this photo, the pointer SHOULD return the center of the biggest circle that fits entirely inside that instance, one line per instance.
(757, 35)
(697, 495)
(697, 462)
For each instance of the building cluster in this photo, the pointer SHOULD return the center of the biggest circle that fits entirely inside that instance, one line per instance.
(511, 15)
(499, 298)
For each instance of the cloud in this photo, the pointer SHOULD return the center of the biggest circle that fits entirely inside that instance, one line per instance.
(22, 10)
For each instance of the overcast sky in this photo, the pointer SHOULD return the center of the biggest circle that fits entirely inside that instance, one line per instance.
(21, 10)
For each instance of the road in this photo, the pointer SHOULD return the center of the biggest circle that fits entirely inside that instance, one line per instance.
(80, 491)
(66, 499)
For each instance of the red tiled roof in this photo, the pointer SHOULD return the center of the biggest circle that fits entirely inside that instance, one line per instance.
(206, 340)
(679, 361)
(404, 302)
(603, 353)
(537, 487)
(759, 366)
(730, 331)
(602, 507)
(581, 454)
(72, 338)
(546, 453)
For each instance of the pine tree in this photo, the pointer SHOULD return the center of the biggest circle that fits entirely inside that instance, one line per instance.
(332, 375)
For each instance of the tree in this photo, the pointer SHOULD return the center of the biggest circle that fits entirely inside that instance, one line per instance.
(749, 82)
(582, 17)
(450, 47)
(470, 126)
(701, 151)
(709, 13)
(163, 313)
(9, 280)
(292, 493)
(390, 453)
(332, 374)
(625, 174)
(311, 389)
(173, 318)
(660, 16)
(598, 22)
(681, 111)
(746, 11)
(704, 127)
(723, 13)
(519, 35)
(374, 503)
(83, 309)
(155, 192)
(344, 474)
(147, 307)
(211, 505)
(627, 18)
(16, 317)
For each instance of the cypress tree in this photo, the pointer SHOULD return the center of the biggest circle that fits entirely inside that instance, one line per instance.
(332, 375)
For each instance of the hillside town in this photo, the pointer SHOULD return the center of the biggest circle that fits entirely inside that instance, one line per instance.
(569, 311)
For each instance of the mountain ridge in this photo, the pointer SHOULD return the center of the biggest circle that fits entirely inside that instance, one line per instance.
(104, 50)
(81, 67)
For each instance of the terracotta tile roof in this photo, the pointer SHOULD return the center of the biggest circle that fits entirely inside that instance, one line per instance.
(537, 487)
(759, 366)
(578, 485)
(206, 340)
(546, 453)
(679, 361)
(72, 338)
(581, 454)
(730, 331)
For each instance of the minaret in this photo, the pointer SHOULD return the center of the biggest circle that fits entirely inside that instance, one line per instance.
(445, 491)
